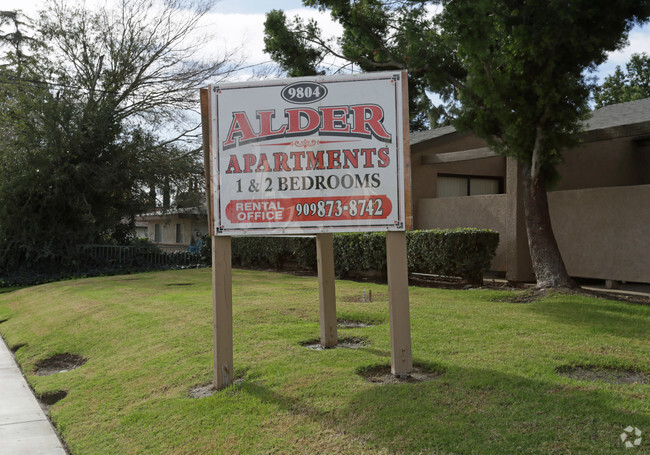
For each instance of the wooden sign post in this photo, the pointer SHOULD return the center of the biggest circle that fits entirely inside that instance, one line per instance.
(302, 156)
(222, 350)
(326, 290)
(222, 311)
(401, 363)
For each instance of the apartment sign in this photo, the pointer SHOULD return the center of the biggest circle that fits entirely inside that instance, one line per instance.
(308, 155)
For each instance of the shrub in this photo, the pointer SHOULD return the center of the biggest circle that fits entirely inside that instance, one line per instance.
(267, 251)
(365, 251)
(465, 253)
(205, 252)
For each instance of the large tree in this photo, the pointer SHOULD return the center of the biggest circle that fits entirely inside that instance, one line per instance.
(514, 72)
(83, 105)
(300, 50)
(629, 85)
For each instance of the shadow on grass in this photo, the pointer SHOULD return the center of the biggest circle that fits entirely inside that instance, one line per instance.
(620, 319)
(475, 411)
(11, 289)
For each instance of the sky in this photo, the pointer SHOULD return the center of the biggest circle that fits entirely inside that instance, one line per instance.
(239, 24)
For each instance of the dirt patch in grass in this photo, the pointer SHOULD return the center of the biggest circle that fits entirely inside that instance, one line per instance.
(59, 363)
(207, 390)
(610, 375)
(179, 284)
(345, 343)
(347, 324)
(354, 321)
(202, 391)
(47, 399)
(435, 281)
(381, 374)
(15, 347)
(528, 296)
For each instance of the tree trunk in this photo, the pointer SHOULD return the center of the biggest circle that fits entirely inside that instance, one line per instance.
(152, 196)
(547, 261)
(166, 194)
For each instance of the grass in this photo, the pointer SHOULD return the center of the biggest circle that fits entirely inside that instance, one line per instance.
(148, 341)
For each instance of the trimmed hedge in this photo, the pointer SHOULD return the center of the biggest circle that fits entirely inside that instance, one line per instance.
(465, 253)
(364, 251)
(274, 251)
(266, 251)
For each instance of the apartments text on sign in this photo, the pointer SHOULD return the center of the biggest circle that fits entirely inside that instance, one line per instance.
(321, 154)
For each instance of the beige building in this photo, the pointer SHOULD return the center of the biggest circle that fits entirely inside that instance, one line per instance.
(600, 210)
(175, 228)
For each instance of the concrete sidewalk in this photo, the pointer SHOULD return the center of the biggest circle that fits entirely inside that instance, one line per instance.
(24, 428)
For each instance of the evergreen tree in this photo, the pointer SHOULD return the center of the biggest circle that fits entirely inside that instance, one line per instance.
(511, 71)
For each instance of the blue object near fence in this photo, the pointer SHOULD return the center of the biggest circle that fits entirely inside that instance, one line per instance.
(195, 248)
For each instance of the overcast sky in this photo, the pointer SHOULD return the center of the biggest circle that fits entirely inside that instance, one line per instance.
(239, 23)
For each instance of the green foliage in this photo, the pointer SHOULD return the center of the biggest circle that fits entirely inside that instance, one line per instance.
(526, 91)
(367, 41)
(515, 73)
(205, 252)
(364, 251)
(66, 179)
(292, 53)
(140, 255)
(78, 103)
(629, 85)
(466, 253)
(144, 243)
(273, 251)
(453, 252)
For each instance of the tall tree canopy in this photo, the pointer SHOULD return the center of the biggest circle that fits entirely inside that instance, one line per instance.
(82, 104)
(629, 85)
(511, 71)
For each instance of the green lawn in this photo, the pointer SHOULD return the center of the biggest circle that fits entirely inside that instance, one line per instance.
(148, 341)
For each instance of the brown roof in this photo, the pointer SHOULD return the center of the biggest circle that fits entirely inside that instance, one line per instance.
(621, 114)
(617, 119)
(415, 137)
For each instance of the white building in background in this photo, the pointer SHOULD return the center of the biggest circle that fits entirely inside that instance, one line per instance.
(173, 228)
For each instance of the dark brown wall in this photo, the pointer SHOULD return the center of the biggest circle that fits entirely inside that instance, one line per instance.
(604, 164)
(600, 209)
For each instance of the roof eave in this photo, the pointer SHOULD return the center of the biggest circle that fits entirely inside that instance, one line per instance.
(617, 132)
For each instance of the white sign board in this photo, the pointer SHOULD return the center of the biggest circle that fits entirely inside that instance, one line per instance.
(308, 155)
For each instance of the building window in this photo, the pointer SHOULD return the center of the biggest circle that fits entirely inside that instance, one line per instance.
(157, 234)
(466, 185)
(179, 233)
